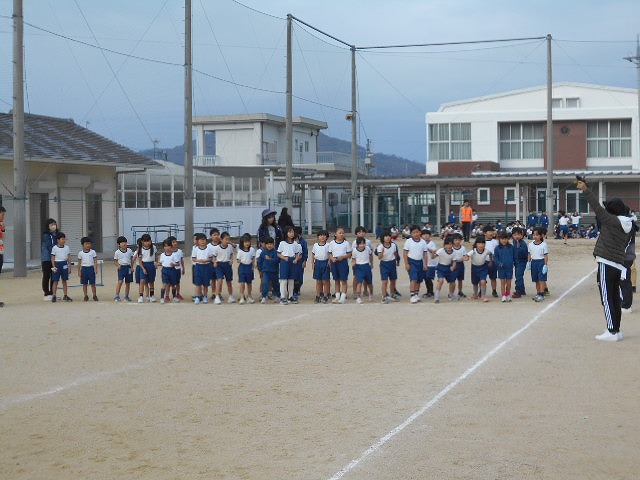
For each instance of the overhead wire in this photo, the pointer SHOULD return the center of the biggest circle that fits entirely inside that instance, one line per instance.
(313, 85)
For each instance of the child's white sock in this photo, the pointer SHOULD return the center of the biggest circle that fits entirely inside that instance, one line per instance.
(283, 289)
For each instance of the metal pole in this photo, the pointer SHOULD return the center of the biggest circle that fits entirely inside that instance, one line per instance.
(636, 61)
(309, 212)
(19, 176)
(289, 124)
(188, 127)
(361, 204)
(550, 204)
(354, 145)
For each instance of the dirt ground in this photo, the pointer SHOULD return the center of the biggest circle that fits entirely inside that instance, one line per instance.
(457, 390)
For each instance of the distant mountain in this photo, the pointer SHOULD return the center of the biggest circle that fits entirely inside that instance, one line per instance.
(386, 165)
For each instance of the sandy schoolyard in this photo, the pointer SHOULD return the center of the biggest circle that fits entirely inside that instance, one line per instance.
(460, 390)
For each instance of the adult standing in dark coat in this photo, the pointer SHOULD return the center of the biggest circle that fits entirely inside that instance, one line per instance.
(2, 230)
(285, 220)
(609, 252)
(48, 241)
(269, 227)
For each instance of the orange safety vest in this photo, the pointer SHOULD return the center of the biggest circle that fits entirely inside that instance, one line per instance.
(465, 214)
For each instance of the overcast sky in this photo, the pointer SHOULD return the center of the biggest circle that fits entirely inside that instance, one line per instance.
(239, 57)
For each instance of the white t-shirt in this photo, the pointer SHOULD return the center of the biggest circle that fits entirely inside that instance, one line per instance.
(388, 253)
(459, 253)
(444, 257)
(563, 221)
(431, 247)
(223, 254)
(60, 254)
(205, 253)
(86, 258)
(339, 249)
(320, 251)
(491, 245)
(575, 220)
(287, 249)
(362, 257)
(246, 257)
(147, 255)
(168, 260)
(478, 258)
(367, 243)
(538, 251)
(415, 249)
(123, 258)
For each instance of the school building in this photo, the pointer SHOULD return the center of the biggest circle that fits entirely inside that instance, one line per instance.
(71, 176)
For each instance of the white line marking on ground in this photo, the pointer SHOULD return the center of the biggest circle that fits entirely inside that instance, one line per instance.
(427, 406)
(8, 402)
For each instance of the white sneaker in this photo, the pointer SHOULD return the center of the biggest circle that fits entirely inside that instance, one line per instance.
(607, 336)
(263, 300)
(47, 298)
(343, 298)
(197, 300)
(241, 301)
(152, 299)
(626, 310)
(508, 297)
(217, 301)
(504, 298)
(205, 299)
(250, 299)
(414, 299)
(162, 300)
(231, 299)
(385, 299)
(359, 301)
(140, 299)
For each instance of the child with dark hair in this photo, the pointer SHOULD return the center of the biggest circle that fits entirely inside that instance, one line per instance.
(168, 260)
(87, 266)
(460, 256)
(222, 264)
(361, 232)
(389, 257)
(123, 260)
(521, 253)
(246, 259)
(445, 269)
(492, 243)
(202, 259)
(361, 260)
(480, 258)
(147, 261)
(302, 265)
(503, 257)
(61, 265)
(270, 265)
(538, 259)
(320, 266)
(415, 261)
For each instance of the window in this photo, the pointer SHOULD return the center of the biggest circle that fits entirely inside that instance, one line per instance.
(178, 191)
(450, 141)
(306, 146)
(609, 138)
(135, 191)
(573, 102)
(510, 196)
(458, 197)
(556, 103)
(204, 191)
(521, 141)
(160, 192)
(576, 202)
(484, 196)
(541, 200)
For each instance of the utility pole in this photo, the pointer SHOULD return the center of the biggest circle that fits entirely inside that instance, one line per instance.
(289, 124)
(19, 176)
(188, 127)
(550, 203)
(636, 61)
(354, 145)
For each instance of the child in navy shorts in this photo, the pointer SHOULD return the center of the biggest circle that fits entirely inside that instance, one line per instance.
(320, 265)
(361, 260)
(202, 259)
(432, 263)
(61, 265)
(168, 260)
(480, 258)
(445, 269)
(504, 259)
(246, 258)
(270, 266)
(147, 263)
(87, 266)
(123, 260)
(290, 254)
(389, 257)
(222, 264)
(339, 254)
(538, 262)
(415, 261)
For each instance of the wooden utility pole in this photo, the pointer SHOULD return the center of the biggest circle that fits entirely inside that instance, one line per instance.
(19, 175)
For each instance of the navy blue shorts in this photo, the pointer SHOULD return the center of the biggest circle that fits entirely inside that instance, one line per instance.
(363, 273)
(87, 275)
(430, 273)
(137, 273)
(62, 272)
(124, 273)
(536, 271)
(416, 270)
(340, 270)
(287, 269)
(150, 276)
(245, 273)
(479, 273)
(321, 270)
(564, 229)
(202, 274)
(224, 271)
(505, 272)
(168, 276)
(458, 273)
(492, 271)
(444, 271)
(178, 275)
(388, 270)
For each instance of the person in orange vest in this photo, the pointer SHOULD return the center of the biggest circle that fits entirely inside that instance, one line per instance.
(466, 213)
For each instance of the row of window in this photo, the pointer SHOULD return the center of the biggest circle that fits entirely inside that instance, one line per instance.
(519, 141)
(164, 191)
(574, 200)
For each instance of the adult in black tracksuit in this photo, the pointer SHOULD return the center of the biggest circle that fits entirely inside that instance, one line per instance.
(626, 288)
(610, 255)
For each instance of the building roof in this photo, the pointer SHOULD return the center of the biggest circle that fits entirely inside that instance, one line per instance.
(61, 140)
(512, 93)
(259, 118)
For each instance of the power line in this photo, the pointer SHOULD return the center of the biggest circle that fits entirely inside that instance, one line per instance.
(440, 44)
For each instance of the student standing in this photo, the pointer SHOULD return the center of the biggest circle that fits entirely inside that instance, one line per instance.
(389, 257)
(222, 264)
(538, 260)
(2, 230)
(361, 259)
(432, 262)
(320, 266)
(147, 263)
(48, 241)
(504, 258)
(339, 254)
(446, 267)
(415, 261)
(246, 258)
(87, 266)
(459, 255)
(289, 253)
(202, 259)
(270, 266)
(61, 265)
(168, 260)
(521, 252)
(480, 258)
(123, 260)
